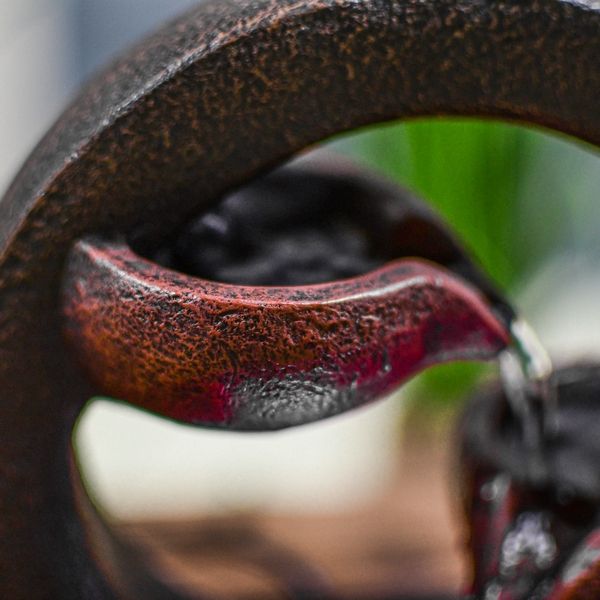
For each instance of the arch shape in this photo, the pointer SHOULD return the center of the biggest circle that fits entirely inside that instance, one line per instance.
(210, 101)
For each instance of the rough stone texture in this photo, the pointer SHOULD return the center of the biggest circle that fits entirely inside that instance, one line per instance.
(212, 100)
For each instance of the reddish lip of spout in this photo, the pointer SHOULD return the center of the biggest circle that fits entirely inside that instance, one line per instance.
(264, 357)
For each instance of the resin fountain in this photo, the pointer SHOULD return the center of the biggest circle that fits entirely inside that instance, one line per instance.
(105, 284)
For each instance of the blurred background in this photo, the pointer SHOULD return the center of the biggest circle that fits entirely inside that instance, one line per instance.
(524, 201)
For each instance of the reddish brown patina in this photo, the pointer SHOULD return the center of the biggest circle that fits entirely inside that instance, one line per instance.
(213, 100)
(265, 357)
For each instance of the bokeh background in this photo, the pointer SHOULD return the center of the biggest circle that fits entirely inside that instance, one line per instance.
(524, 201)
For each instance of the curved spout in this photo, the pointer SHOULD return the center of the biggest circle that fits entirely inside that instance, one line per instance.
(264, 357)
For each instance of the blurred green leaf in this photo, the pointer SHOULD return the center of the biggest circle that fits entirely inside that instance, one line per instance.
(471, 171)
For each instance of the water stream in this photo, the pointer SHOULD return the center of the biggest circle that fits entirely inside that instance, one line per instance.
(526, 371)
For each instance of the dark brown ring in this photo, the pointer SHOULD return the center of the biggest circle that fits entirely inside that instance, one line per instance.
(152, 133)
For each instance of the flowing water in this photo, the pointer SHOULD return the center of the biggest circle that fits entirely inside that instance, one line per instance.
(526, 371)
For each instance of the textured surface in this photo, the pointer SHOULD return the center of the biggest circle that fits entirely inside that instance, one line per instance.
(269, 357)
(213, 99)
(264, 357)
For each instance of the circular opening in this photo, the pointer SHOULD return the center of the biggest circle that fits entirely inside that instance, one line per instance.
(486, 223)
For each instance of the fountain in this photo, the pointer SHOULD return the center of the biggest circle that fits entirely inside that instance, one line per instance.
(101, 290)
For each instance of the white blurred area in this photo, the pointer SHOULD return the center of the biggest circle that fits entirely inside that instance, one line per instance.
(142, 467)
(38, 72)
(47, 47)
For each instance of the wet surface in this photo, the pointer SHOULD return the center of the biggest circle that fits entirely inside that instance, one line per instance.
(530, 520)
(494, 434)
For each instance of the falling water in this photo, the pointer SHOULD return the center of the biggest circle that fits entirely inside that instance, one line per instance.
(526, 372)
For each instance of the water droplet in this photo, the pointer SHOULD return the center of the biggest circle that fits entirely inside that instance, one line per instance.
(386, 363)
(495, 489)
(529, 546)
(493, 591)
